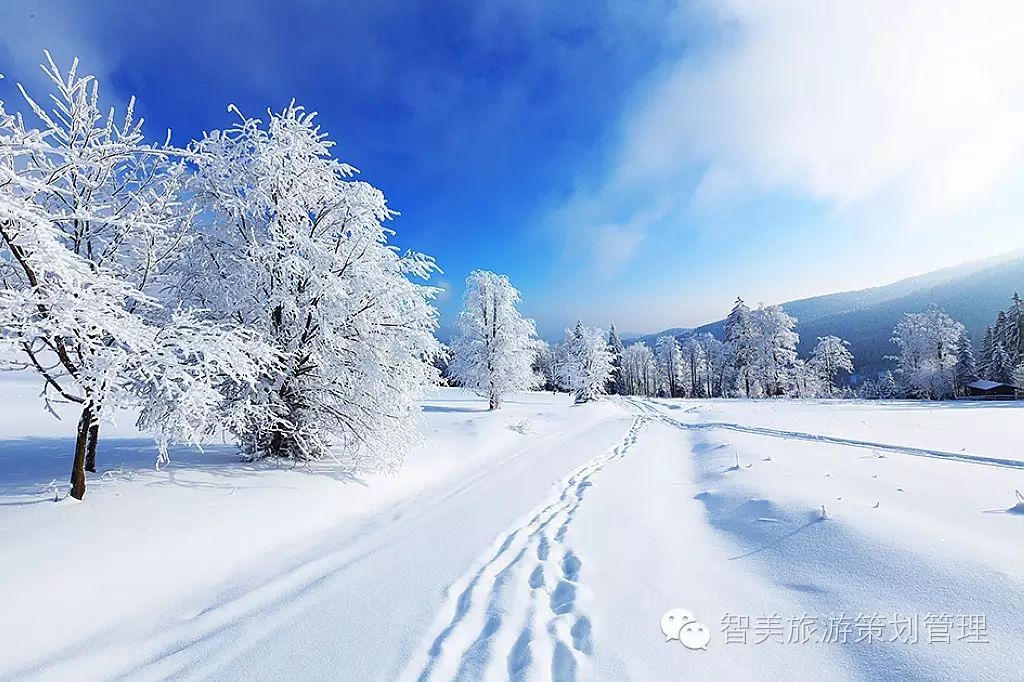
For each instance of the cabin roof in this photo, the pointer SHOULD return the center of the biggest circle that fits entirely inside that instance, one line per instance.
(986, 385)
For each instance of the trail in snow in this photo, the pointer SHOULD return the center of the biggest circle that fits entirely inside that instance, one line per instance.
(225, 630)
(517, 612)
(831, 440)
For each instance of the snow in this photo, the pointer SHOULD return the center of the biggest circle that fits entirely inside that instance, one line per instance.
(544, 540)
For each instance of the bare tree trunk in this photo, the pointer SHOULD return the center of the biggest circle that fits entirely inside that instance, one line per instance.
(494, 402)
(78, 466)
(90, 447)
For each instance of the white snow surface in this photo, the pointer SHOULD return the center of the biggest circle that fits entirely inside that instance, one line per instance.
(541, 541)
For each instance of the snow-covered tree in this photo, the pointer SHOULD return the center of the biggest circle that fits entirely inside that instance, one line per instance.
(670, 366)
(545, 366)
(806, 380)
(716, 364)
(441, 360)
(639, 370)
(1017, 376)
(292, 247)
(496, 346)
(615, 347)
(929, 344)
(741, 348)
(588, 363)
(888, 389)
(831, 357)
(91, 229)
(1002, 349)
(694, 367)
(1001, 368)
(776, 348)
(966, 369)
(988, 348)
(868, 389)
(1013, 336)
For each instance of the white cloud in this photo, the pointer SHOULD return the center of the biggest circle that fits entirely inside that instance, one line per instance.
(913, 109)
(613, 245)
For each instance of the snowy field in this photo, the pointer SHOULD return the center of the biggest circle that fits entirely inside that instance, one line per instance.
(541, 541)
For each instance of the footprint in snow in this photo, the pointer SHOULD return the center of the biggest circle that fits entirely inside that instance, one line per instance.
(571, 566)
(562, 598)
(537, 578)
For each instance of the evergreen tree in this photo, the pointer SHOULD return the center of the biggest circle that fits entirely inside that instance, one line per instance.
(1002, 367)
(616, 385)
(1018, 377)
(868, 390)
(888, 389)
(588, 363)
(1014, 341)
(1000, 330)
(988, 348)
(966, 369)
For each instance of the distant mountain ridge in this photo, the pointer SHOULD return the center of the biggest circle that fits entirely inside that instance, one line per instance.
(972, 293)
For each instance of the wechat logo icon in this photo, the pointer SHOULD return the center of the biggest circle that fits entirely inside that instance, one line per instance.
(681, 625)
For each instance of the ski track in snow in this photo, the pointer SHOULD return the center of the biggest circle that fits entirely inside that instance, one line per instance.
(844, 566)
(516, 615)
(649, 409)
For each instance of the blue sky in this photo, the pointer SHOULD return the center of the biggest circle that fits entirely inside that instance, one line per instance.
(642, 163)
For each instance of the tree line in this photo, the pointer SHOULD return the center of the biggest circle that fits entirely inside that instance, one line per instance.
(497, 352)
(757, 358)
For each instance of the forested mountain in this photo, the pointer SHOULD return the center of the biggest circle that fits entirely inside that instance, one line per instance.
(972, 293)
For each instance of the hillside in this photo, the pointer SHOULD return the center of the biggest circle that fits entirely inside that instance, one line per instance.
(972, 293)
